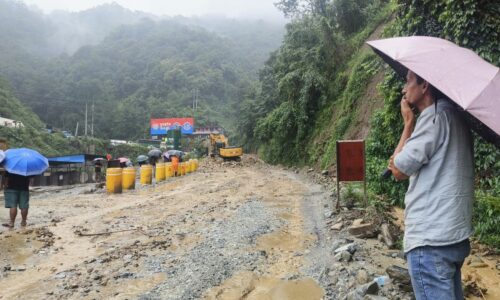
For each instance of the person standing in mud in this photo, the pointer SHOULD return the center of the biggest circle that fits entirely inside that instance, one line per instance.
(175, 164)
(16, 192)
(435, 152)
(97, 170)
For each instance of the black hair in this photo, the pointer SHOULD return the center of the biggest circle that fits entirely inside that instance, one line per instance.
(435, 94)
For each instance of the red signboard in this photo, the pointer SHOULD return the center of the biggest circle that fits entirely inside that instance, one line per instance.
(351, 165)
(162, 126)
(351, 160)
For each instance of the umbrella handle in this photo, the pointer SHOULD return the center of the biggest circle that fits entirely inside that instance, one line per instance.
(386, 174)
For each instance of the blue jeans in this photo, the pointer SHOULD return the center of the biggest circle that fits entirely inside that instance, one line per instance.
(435, 270)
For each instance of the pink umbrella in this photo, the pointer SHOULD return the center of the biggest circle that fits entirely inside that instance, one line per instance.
(123, 159)
(459, 73)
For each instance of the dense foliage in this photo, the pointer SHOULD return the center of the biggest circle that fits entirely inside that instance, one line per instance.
(473, 24)
(309, 78)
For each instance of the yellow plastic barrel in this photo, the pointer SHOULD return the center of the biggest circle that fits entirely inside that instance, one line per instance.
(114, 180)
(146, 174)
(169, 170)
(182, 166)
(196, 164)
(189, 167)
(160, 172)
(128, 178)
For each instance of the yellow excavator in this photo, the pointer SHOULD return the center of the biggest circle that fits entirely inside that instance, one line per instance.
(219, 147)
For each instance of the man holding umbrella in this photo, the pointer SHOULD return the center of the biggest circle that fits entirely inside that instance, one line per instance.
(435, 152)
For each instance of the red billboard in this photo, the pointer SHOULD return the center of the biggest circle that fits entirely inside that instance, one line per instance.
(162, 126)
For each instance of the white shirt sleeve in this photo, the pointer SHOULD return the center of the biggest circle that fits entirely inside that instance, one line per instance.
(427, 137)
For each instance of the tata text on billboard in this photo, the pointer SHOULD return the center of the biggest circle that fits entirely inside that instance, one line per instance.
(161, 126)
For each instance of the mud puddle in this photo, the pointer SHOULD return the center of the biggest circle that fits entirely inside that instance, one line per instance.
(248, 286)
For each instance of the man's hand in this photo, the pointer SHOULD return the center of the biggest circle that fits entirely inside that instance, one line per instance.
(395, 171)
(407, 113)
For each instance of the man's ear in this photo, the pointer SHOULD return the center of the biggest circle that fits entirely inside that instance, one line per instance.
(425, 87)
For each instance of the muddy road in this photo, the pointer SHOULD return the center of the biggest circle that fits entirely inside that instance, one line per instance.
(228, 231)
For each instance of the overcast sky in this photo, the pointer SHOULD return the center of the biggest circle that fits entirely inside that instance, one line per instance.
(254, 9)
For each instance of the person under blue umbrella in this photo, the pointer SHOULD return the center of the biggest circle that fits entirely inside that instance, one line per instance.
(20, 165)
(16, 192)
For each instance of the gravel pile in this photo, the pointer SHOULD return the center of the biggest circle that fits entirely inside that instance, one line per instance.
(224, 251)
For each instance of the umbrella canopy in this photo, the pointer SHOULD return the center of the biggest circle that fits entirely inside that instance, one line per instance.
(25, 162)
(2, 155)
(459, 73)
(123, 159)
(175, 153)
(154, 153)
(142, 158)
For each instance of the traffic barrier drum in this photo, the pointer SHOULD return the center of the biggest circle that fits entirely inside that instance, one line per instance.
(189, 166)
(114, 180)
(128, 178)
(146, 174)
(169, 170)
(182, 166)
(160, 172)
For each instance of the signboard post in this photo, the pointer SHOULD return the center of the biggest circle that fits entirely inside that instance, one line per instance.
(351, 164)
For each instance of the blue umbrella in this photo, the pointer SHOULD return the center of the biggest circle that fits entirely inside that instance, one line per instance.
(25, 162)
(2, 155)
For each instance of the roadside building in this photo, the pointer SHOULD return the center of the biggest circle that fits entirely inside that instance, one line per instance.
(10, 123)
(68, 169)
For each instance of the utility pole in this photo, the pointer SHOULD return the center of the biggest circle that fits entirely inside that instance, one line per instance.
(92, 126)
(76, 130)
(86, 109)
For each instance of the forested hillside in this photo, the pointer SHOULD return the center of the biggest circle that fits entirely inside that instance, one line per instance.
(152, 67)
(323, 84)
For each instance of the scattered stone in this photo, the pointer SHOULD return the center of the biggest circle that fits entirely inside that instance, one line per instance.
(360, 292)
(21, 268)
(477, 262)
(343, 256)
(328, 214)
(351, 248)
(362, 277)
(386, 235)
(400, 276)
(60, 275)
(357, 222)
(324, 172)
(124, 275)
(374, 297)
(363, 230)
(337, 226)
(310, 170)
